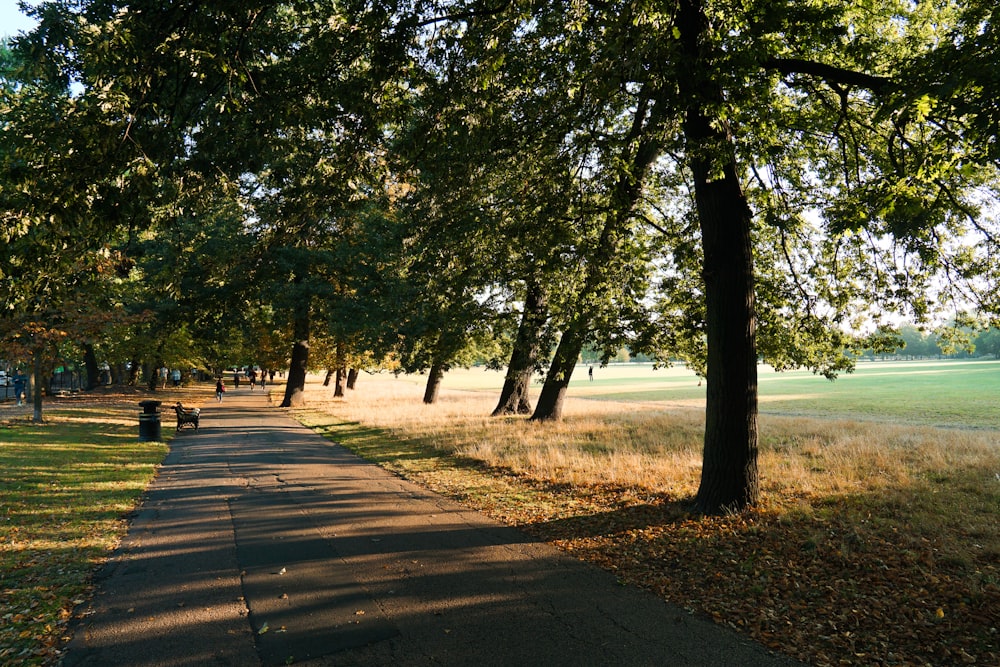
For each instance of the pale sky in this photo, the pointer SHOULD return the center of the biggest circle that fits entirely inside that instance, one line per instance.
(12, 21)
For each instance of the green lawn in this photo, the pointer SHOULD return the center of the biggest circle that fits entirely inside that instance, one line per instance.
(66, 487)
(939, 393)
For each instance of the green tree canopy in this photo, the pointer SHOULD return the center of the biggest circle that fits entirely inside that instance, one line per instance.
(712, 179)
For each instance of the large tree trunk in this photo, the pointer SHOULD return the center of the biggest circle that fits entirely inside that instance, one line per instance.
(434, 378)
(550, 400)
(296, 385)
(36, 385)
(515, 397)
(527, 345)
(152, 375)
(90, 362)
(328, 377)
(352, 379)
(133, 373)
(340, 389)
(729, 478)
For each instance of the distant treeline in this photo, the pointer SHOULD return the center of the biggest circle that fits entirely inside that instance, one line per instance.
(917, 344)
(950, 344)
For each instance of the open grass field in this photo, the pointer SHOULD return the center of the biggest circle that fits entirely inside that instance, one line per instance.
(964, 394)
(878, 541)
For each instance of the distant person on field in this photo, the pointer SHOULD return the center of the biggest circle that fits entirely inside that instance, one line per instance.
(590, 372)
(236, 379)
(175, 375)
(252, 374)
(220, 389)
(19, 388)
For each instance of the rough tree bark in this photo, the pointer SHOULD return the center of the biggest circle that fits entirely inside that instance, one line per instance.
(152, 372)
(133, 373)
(729, 478)
(339, 389)
(352, 378)
(550, 400)
(527, 346)
(90, 363)
(296, 384)
(434, 377)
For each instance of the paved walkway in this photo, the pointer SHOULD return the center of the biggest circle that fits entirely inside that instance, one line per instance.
(260, 543)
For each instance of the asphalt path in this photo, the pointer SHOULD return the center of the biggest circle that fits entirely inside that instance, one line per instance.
(261, 543)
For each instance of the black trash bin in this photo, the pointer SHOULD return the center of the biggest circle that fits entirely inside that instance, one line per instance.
(149, 421)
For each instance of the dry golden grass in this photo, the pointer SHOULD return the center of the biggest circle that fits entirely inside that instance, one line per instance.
(864, 524)
(642, 445)
(930, 482)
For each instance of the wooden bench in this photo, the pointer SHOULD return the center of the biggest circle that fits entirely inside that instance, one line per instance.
(187, 416)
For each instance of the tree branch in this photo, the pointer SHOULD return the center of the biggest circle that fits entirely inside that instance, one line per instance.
(829, 73)
(465, 15)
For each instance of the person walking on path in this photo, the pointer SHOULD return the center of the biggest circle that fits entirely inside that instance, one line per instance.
(220, 389)
(261, 543)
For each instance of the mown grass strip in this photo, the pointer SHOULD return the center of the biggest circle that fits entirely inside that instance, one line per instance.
(66, 488)
(955, 394)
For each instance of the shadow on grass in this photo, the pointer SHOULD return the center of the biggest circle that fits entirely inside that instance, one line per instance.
(376, 445)
(872, 576)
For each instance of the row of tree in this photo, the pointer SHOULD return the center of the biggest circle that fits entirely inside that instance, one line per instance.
(912, 342)
(341, 182)
(948, 342)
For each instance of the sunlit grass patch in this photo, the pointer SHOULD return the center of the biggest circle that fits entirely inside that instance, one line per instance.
(65, 489)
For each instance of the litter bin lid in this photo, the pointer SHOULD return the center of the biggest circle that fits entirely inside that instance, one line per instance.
(150, 405)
